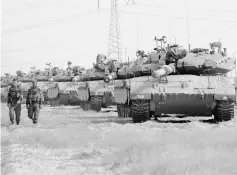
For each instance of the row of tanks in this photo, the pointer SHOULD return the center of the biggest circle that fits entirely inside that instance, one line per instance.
(169, 80)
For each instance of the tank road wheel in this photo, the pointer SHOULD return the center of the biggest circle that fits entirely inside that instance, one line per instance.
(104, 105)
(86, 106)
(140, 111)
(96, 103)
(224, 111)
(123, 111)
(119, 110)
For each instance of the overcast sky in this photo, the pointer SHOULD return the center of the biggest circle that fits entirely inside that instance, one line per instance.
(38, 31)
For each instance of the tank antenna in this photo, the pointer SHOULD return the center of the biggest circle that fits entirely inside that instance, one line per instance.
(186, 3)
(235, 61)
(128, 69)
(137, 33)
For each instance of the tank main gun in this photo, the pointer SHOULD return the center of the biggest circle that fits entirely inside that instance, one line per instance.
(164, 70)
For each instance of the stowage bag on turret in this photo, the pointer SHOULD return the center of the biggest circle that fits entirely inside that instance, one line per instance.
(175, 54)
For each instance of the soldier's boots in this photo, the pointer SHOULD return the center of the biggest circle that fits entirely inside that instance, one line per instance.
(16, 122)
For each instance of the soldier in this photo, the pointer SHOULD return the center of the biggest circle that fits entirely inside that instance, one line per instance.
(14, 100)
(34, 102)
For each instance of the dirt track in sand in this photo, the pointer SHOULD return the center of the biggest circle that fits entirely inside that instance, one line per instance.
(68, 140)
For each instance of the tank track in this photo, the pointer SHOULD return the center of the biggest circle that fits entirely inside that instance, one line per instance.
(124, 111)
(63, 99)
(54, 102)
(96, 103)
(140, 111)
(224, 111)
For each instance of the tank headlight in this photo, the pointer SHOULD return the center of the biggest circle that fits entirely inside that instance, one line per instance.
(225, 98)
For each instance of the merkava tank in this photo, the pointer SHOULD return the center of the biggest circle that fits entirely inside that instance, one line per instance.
(96, 86)
(142, 66)
(188, 83)
(95, 90)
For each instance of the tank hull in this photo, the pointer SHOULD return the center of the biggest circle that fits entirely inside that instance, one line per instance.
(176, 94)
(96, 94)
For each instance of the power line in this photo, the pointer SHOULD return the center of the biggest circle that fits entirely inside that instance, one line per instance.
(55, 21)
(182, 8)
(35, 7)
(25, 49)
(77, 15)
(44, 46)
(172, 17)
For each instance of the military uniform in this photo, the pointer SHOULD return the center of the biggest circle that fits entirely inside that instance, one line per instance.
(34, 102)
(14, 100)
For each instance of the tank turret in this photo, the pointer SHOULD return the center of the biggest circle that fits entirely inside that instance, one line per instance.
(199, 61)
(202, 62)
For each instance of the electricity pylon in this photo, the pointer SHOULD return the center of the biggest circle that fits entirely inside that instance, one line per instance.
(114, 48)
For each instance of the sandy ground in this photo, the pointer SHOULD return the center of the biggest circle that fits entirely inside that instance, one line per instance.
(68, 140)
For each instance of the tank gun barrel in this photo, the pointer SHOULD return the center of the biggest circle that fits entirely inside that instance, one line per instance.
(164, 70)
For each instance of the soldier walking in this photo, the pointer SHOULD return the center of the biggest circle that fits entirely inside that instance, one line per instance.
(34, 101)
(14, 100)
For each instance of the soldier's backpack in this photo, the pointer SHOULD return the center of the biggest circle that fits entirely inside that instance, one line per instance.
(34, 94)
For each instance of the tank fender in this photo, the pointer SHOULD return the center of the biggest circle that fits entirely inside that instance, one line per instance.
(83, 94)
(121, 95)
(224, 97)
(97, 93)
(121, 83)
(135, 96)
(83, 85)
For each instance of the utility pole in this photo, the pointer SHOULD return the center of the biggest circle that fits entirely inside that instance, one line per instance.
(114, 48)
